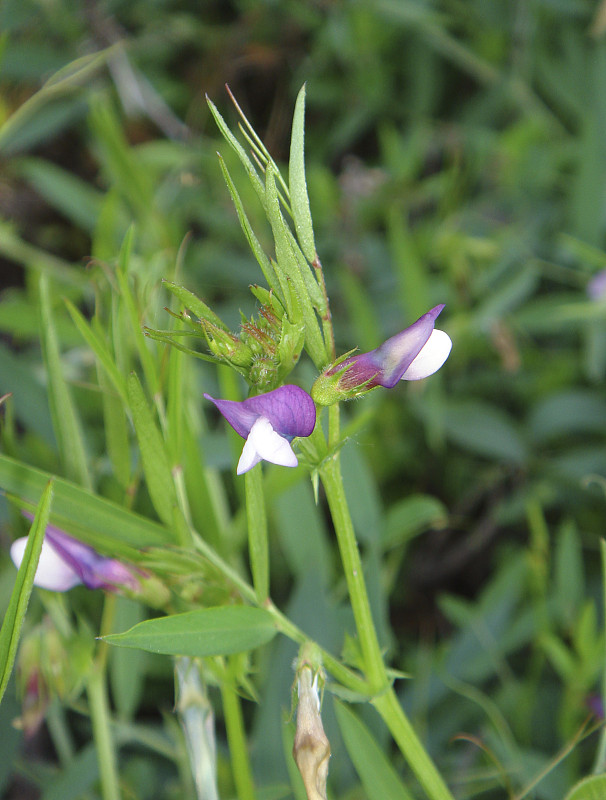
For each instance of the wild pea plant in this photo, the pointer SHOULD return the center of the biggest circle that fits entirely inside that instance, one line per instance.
(282, 423)
(182, 552)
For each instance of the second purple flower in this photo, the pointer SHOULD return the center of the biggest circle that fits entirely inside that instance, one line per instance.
(413, 354)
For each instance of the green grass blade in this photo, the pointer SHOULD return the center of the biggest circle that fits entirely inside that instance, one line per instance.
(17, 607)
(100, 349)
(299, 199)
(146, 358)
(66, 423)
(97, 521)
(77, 199)
(378, 777)
(115, 425)
(154, 457)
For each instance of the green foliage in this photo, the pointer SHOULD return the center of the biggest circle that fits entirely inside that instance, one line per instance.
(207, 632)
(452, 153)
(14, 617)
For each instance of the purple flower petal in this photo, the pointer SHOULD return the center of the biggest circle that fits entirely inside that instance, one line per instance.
(70, 560)
(289, 409)
(387, 364)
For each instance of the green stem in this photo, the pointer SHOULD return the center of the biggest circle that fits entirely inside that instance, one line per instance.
(343, 674)
(99, 708)
(257, 533)
(330, 473)
(600, 759)
(388, 706)
(104, 746)
(236, 737)
(385, 700)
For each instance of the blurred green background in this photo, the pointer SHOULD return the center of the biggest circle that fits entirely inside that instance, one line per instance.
(455, 153)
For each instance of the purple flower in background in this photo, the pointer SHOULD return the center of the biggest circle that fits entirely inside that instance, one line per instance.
(65, 562)
(411, 355)
(269, 422)
(596, 288)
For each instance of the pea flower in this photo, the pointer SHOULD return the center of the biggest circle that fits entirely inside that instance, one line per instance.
(269, 422)
(65, 562)
(410, 355)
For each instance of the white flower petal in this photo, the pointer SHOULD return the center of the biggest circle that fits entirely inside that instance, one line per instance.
(264, 443)
(249, 457)
(434, 353)
(53, 572)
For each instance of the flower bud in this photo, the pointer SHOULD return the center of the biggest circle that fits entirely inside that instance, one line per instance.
(311, 749)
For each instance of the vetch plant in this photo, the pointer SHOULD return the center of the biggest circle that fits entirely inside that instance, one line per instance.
(213, 614)
(271, 420)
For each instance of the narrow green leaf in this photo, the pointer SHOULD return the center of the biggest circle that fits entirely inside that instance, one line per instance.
(205, 632)
(299, 199)
(309, 278)
(17, 607)
(97, 521)
(72, 196)
(193, 303)
(255, 245)
(287, 263)
(240, 152)
(154, 457)
(378, 777)
(593, 788)
(66, 423)
(407, 518)
(116, 430)
(172, 338)
(100, 349)
(148, 362)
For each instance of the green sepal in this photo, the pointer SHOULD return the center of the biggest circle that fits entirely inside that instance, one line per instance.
(268, 298)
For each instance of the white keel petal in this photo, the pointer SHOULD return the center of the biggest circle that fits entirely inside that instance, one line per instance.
(249, 457)
(269, 445)
(430, 359)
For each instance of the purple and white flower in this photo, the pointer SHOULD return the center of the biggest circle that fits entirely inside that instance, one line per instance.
(65, 562)
(269, 422)
(411, 355)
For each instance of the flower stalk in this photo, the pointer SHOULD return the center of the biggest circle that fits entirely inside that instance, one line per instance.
(257, 533)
